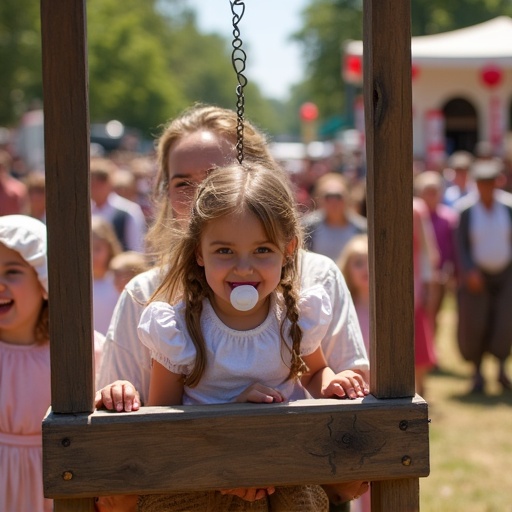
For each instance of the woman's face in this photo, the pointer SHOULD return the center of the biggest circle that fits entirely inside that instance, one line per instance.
(188, 163)
(358, 270)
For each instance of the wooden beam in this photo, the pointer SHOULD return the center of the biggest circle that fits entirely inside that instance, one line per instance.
(68, 211)
(165, 449)
(388, 120)
(68, 207)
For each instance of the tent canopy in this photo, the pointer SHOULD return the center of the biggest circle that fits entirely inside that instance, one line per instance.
(465, 47)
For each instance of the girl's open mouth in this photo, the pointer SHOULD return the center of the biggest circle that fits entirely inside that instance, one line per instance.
(5, 305)
(235, 285)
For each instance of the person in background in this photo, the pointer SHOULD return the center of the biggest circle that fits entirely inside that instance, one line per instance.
(124, 184)
(425, 261)
(125, 266)
(428, 186)
(484, 244)
(13, 193)
(36, 187)
(334, 222)
(105, 246)
(457, 176)
(125, 216)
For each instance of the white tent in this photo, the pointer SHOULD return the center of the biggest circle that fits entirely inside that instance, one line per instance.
(466, 47)
(462, 88)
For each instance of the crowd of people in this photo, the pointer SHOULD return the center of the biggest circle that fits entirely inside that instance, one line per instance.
(223, 253)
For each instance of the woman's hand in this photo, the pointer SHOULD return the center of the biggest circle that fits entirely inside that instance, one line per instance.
(250, 494)
(260, 394)
(118, 396)
(346, 384)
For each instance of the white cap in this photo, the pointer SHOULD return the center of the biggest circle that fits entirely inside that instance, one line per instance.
(27, 236)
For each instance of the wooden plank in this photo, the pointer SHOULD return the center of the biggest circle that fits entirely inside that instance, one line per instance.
(76, 505)
(396, 495)
(164, 449)
(66, 124)
(68, 210)
(388, 118)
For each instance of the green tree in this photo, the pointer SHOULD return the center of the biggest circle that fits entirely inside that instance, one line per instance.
(20, 55)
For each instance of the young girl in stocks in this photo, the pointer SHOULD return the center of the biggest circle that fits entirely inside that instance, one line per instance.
(227, 324)
(24, 362)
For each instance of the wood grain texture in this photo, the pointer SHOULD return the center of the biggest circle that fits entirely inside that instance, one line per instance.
(74, 505)
(387, 90)
(388, 121)
(400, 495)
(68, 210)
(193, 448)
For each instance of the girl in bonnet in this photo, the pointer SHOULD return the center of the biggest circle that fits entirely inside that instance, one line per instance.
(24, 362)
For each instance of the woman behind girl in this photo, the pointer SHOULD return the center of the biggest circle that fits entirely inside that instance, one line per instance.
(228, 323)
(24, 362)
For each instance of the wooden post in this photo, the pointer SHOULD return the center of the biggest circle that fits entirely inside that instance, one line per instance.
(388, 119)
(66, 124)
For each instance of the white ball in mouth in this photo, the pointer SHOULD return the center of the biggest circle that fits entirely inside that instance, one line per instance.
(244, 297)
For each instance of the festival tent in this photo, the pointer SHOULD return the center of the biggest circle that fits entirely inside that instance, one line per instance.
(461, 88)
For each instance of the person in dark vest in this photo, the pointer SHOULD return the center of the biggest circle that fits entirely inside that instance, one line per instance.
(484, 243)
(125, 216)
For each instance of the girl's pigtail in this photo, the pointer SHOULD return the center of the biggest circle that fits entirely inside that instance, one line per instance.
(298, 366)
(194, 295)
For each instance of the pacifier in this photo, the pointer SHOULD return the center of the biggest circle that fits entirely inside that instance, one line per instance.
(244, 297)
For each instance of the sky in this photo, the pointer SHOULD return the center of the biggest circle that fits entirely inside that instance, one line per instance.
(273, 61)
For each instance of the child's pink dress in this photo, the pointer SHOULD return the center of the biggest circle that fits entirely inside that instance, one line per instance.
(24, 400)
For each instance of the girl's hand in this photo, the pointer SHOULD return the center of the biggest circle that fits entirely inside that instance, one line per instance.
(260, 394)
(346, 384)
(250, 494)
(118, 396)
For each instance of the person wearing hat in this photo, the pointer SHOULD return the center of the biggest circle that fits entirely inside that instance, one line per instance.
(24, 362)
(484, 246)
(457, 173)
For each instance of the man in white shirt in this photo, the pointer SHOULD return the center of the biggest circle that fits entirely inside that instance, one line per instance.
(484, 243)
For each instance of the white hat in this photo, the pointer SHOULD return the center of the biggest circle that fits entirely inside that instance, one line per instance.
(486, 169)
(27, 236)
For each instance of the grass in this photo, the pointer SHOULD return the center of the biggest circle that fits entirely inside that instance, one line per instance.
(470, 436)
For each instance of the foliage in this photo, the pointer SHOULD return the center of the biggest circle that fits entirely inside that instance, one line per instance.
(326, 25)
(20, 55)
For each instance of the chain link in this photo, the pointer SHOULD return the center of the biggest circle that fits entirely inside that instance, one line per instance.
(238, 59)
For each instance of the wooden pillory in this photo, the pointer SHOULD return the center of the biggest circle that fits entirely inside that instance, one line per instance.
(382, 438)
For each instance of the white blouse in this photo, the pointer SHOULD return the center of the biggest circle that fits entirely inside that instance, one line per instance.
(235, 359)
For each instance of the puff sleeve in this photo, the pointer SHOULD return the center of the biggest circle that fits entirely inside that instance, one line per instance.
(162, 330)
(315, 316)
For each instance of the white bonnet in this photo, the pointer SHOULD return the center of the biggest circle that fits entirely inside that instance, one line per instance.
(27, 236)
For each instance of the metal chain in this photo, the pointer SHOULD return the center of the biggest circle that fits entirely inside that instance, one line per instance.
(238, 59)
